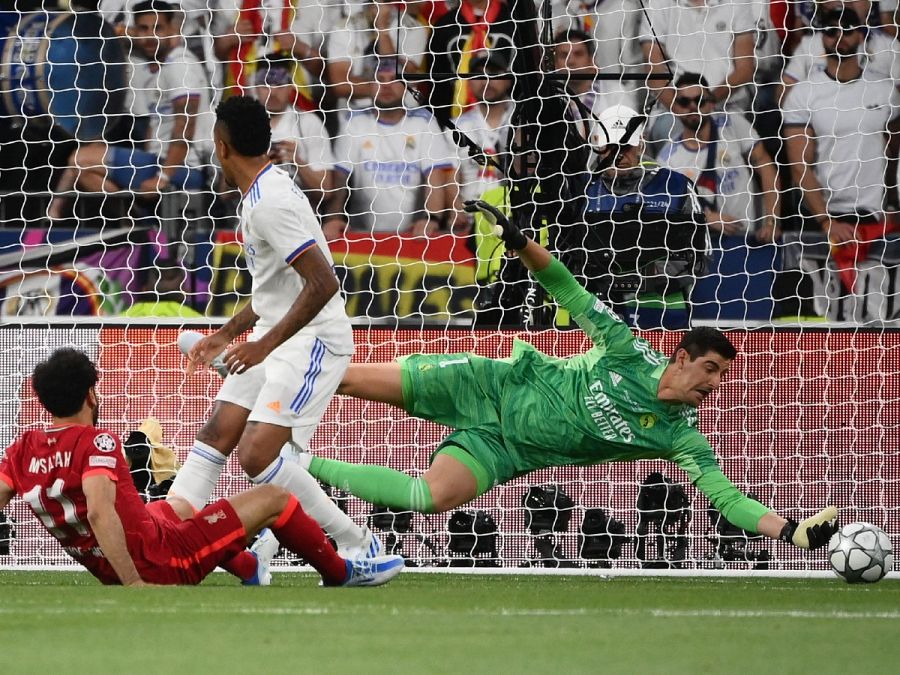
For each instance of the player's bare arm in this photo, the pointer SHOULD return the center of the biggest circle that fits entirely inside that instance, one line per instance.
(321, 285)
(100, 493)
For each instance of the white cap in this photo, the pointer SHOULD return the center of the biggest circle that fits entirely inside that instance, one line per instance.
(615, 121)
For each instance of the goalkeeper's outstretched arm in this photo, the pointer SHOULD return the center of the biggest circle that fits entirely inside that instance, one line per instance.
(750, 515)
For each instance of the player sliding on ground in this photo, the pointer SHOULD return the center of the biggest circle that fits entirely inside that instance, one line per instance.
(619, 401)
(75, 479)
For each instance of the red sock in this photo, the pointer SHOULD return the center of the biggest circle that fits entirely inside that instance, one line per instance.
(243, 565)
(300, 534)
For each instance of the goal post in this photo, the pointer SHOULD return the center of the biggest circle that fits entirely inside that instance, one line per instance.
(805, 419)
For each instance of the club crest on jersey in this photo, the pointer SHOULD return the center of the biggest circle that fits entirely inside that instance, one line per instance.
(214, 518)
(105, 443)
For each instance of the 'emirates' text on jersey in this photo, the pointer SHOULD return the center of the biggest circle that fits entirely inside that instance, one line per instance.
(278, 226)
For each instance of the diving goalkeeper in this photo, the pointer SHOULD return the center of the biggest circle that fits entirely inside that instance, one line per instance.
(620, 401)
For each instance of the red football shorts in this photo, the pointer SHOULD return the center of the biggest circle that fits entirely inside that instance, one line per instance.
(196, 546)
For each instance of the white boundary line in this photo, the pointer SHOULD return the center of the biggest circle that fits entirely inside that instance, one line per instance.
(535, 571)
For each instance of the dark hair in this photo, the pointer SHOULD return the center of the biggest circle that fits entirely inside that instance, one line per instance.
(63, 381)
(575, 35)
(160, 7)
(247, 124)
(691, 80)
(702, 340)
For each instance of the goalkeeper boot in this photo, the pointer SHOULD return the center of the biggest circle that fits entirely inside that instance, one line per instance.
(188, 338)
(364, 571)
(264, 549)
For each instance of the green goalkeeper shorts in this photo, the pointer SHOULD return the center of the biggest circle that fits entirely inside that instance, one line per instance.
(462, 391)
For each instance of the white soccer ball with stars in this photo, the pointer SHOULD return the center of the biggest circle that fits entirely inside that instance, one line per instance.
(860, 553)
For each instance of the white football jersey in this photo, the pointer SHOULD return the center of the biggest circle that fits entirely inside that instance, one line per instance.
(388, 165)
(736, 139)
(180, 76)
(278, 226)
(849, 120)
(698, 38)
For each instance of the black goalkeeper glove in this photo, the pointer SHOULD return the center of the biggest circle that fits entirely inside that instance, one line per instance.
(509, 233)
(812, 533)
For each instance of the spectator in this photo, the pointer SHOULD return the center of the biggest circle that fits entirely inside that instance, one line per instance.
(613, 26)
(841, 139)
(487, 123)
(163, 294)
(574, 55)
(714, 38)
(879, 49)
(244, 30)
(721, 153)
(177, 99)
(299, 139)
(473, 26)
(371, 30)
(395, 161)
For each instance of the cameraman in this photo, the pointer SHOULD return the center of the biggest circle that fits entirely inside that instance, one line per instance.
(641, 240)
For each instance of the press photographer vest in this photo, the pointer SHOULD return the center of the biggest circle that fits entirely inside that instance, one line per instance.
(638, 241)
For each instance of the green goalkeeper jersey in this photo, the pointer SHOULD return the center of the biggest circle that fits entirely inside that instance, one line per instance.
(602, 406)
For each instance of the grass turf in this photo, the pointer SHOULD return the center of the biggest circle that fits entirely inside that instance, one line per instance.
(450, 624)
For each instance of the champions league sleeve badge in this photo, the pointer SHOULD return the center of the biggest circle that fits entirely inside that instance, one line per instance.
(105, 443)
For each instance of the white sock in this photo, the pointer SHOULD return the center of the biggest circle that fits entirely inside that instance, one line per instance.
(197, 478)
(314, 501)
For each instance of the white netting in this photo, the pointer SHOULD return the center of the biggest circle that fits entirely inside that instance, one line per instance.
(779, 115)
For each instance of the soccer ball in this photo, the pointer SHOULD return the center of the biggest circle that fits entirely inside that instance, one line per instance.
(860, 553)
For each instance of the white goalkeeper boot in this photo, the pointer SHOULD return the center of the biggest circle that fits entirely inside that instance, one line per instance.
(186, 341)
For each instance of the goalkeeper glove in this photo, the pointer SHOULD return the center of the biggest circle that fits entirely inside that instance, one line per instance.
(812, 533)
(509, 233)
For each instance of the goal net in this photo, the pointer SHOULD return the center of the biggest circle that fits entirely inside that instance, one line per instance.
(118, 230)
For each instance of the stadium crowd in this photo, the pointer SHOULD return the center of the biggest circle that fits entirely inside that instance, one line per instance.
(760, 96)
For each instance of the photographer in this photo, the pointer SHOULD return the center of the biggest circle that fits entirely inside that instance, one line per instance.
(641, 239)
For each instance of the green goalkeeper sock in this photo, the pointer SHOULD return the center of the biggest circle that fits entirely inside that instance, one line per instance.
(375, 484)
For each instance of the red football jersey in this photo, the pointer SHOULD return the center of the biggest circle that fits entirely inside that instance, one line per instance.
(46, 468)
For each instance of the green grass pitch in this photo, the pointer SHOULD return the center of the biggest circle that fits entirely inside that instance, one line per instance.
(440, 623)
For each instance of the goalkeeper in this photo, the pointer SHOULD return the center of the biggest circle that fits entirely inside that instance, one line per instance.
(620, 401)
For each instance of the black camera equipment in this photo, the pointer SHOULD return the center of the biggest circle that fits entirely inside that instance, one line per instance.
(601, 539)
(548, 510)
(732, 544)
(664, 514)
(473, 539)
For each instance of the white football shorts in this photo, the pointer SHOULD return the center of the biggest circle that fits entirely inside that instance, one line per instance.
(291, 388)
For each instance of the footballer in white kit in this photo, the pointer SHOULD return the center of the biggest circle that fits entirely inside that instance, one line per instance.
(294, 384)
(279, 381)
